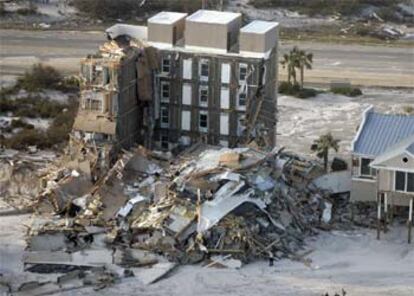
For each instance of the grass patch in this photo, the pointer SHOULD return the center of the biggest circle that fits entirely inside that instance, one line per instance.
(295, 90)
(347, 91)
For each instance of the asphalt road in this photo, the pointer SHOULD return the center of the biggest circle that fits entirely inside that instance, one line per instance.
(360, 64)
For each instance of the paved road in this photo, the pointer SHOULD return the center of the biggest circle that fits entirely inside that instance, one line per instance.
(365, 65)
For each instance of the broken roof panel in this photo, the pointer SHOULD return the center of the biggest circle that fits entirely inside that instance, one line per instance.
(379, 131)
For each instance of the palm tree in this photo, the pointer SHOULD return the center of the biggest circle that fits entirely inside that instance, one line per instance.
(289, 62)
(302, 60)
(322, 145)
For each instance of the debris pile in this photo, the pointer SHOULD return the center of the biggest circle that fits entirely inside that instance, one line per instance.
(149, 212)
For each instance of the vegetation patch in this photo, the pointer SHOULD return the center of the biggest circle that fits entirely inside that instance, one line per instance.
(295, 90)
(347, 91)
(126, 9)
(386, 8)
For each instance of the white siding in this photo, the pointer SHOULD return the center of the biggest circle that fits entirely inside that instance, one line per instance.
(186, 120)
(225, 73)
(187, 94)
(224, 124)
(187, 69)
(224, 98)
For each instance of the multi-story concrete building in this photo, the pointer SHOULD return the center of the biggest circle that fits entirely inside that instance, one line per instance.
(180, 80)
(217, 81)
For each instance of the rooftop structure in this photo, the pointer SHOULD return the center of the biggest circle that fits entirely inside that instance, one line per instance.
(378, 132)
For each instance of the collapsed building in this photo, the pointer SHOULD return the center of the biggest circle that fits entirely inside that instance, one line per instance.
(181, 80)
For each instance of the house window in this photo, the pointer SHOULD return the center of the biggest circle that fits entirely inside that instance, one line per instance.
(165, 117)
(165, 91)
(93, 105)
(241, 102)
(166, 65)
(242, 72)
(203, 122)
(366, 170)
(404, 181)
(203, 96)
(204, 70)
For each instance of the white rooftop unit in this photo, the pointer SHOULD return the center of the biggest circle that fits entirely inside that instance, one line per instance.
(212, 29)
(166, 27)
(258, 37)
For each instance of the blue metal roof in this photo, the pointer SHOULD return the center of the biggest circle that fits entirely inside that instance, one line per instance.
(411, 148)
(380, 131)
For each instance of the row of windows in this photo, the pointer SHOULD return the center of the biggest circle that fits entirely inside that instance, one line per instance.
(203, 121)
(204, 70)
(203, 95)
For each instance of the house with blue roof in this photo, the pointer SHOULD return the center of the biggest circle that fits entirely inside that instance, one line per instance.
(383, 159)
(383, 164)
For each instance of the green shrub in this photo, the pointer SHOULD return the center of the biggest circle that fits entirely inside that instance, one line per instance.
(347, 91)
(26, 137)
(18, 123)
(32, 9)
(40, 77)
(289, 89)
(408, 109)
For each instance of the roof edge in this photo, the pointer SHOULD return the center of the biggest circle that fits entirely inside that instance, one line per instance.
(367, 111)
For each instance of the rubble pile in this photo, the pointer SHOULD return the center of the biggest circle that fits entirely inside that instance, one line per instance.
(219, 206)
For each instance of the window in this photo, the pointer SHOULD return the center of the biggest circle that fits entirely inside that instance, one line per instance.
(224, 124)
(166, 65)
(165, 117)
(186, 120)
(241, 102)
(203, 96)
(187, 94)
(187, 69)
(225, 73)
(93, 105)
(204, 70)
(242, 72)
(165, 91)
(404, 181)
(224, 98)
(366, 170)
(203, 121)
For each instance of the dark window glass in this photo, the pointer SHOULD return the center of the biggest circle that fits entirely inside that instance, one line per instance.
(166, 65)
(410, 182)
(242, 99)
(243, 73)
(399, 181)
(365, 169)
(203, 95)
(204, 69)
(203, 121)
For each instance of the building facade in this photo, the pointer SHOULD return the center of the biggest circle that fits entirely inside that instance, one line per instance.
(217, 82)
(181, 80)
